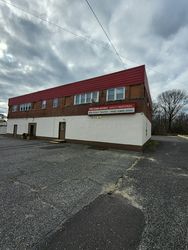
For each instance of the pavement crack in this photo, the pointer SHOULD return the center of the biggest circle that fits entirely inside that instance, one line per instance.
(119, 189)
(112, 188)
(135, 163)
(43, 201)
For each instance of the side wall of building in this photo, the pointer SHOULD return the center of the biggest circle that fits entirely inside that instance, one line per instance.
(3, 130)
(146, 132)
(133, 129)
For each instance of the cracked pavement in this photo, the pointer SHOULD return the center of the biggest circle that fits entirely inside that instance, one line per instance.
(158, 184)
(152, 215)
(42, 185)
(69, 196)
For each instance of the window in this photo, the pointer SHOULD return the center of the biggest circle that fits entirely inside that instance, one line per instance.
(83, 98)
(25, 106)
(77, 99)
(29, 106)
(120, 93)
(14, 108)
(86, 98)
(111, 94)
(95, 96)
(43, 104)
(115, 94)
(55, 103)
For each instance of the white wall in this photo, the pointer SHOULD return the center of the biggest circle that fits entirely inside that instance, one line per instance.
(3, 130)
(123, 129)
(146, 129)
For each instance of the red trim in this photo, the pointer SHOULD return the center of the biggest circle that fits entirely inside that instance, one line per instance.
(127, 77)
(118, 106)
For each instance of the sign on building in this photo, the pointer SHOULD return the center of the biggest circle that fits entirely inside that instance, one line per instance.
(112, 109)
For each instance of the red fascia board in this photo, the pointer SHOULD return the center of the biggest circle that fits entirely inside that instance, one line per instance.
(127, 77)
(147, 88)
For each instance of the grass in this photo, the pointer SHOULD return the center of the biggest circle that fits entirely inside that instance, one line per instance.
(151, 145)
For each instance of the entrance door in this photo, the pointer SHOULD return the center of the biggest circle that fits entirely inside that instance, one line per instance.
(32, 129)
(62, 127)
(15, 129)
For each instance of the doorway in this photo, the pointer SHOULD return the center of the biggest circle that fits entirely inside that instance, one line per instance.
(32, 129)
(15, 128)
(62, 128)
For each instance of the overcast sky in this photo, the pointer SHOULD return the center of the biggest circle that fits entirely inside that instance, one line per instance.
(35, 55)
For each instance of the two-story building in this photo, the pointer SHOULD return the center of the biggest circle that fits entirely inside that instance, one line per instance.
(111, 110)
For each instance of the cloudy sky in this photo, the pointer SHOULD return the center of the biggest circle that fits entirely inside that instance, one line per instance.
(35, 55)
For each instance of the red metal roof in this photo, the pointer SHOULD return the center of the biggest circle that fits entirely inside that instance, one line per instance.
(126, 77)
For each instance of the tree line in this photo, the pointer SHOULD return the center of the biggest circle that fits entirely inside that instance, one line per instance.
(169, 113)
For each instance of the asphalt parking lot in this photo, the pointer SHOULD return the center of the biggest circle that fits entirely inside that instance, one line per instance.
(44, 184)
(67, 196)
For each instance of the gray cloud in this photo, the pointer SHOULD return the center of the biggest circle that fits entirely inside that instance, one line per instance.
(35, 55)
(169, 17)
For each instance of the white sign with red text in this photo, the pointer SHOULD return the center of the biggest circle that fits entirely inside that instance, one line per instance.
(112, 109)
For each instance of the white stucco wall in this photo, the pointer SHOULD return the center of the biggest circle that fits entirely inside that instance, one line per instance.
(3, 130)
(123, 129)
(146, 129)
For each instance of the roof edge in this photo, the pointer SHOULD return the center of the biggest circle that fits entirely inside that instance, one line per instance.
(81, 81)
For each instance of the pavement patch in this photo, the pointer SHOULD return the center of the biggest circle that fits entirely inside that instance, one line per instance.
(42, 185)
(109, 222)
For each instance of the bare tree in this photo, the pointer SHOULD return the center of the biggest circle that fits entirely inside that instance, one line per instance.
(155, 108)
(180, 124)
(171, 103)
(158, 119)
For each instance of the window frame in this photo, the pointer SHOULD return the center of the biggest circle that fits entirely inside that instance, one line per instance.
(107, 95)
(75, 99)
(28, 106)
(115, 94)
(90, 98)
(97, 96)
(79, 97)
(84, 98)
(14, 108)
(55, 103)
(21, 107)
(25, 106)
(43, 106)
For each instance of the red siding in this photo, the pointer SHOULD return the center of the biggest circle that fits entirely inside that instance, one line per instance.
(122, 78)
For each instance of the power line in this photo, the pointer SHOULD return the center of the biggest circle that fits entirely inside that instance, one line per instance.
(54, 24)
(68, 31)
(84, 37)
(151, 69)
(42, 19)
(120, 56)
(106, 34)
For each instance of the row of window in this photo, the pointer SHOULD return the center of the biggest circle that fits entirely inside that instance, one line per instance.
(28, 106)
(55, 103)
(113, 94)
(23, 107)
(90, 97)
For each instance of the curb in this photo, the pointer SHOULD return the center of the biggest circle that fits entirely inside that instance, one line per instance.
(182, 136)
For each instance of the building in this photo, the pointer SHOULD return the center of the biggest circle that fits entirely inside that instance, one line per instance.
(110, 110)
(3, 124)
